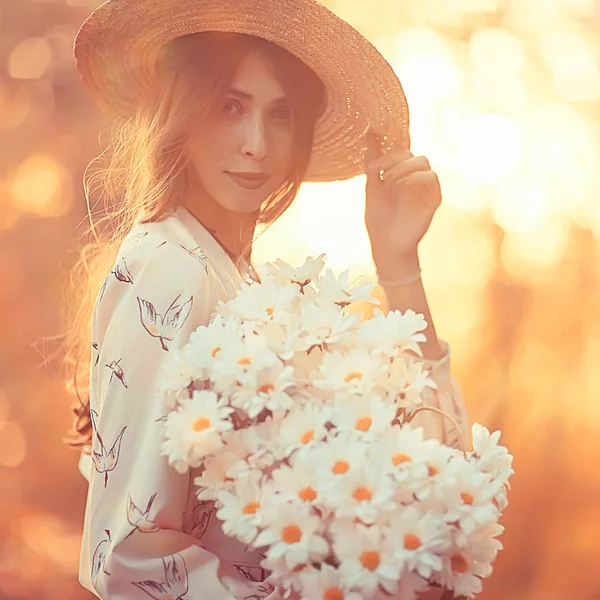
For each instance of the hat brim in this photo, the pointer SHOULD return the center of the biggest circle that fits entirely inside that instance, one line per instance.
(117, 47)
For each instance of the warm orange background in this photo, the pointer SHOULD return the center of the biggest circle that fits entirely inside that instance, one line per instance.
(505, 98)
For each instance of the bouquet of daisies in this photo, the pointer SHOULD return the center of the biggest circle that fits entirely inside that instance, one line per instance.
(298, 415)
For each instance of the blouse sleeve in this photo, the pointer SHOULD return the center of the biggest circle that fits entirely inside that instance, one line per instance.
(447, 397)
(134, 545)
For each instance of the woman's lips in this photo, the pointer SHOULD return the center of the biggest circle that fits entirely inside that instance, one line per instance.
(247, 183)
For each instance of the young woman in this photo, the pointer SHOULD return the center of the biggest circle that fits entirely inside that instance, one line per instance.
(221, 110)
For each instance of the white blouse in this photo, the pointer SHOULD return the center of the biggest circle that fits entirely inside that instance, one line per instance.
(145, 533)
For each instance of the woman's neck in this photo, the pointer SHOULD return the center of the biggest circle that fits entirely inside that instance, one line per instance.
(233, 231)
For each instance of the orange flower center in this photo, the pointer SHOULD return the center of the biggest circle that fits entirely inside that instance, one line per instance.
(307, 494)
(246, 360)
(458, 563)
(270, 311)
(411, 542)
(362, 493)
(432, 470)
(333, 594)
(370, 560)
(268, 387)
(467, 498)
(364, 423)
(250, 508)
(201, 424)
(307, 436)
(354, 375)
(215, 350)
(291, 534)
(341, 466)
(400, 458)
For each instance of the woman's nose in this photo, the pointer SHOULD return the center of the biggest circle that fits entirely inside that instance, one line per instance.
(254, 137)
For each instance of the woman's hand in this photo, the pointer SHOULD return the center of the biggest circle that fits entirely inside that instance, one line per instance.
(399, 209)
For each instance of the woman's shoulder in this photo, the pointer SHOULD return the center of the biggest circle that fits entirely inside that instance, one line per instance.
(162, 244)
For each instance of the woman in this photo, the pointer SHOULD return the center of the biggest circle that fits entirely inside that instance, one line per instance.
(222, 110)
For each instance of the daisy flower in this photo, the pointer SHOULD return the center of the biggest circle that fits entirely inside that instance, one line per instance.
(239, 357)
(468, 497)
(298, 483)
(214, 477)
(491, 458)
(462, 573)
(419, 540)
(366, 557)
(342, 293)
(341, 455)
(355, 372)
(405, 382)
(400, 452)
(264, 389)
(367, 417)
(194, 429)
(394, 333)
(284, 273)
(302, 428)
(260, 303)
(240, 510)
(363, 493)
(176, 375)
(291, 532)
(326, 325)
(326, 584)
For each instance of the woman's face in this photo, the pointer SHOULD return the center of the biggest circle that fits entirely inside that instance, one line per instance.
(249, 131)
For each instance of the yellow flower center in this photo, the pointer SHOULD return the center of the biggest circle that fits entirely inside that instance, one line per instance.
(354, 375)
(400, 458)
(370, 560)
(201, 424)
(307, 436)
(362, 493)
(291, 534)
(251, 508)
(364, 423)
(265, 389)
(333, 594)
(411, 542)
(458, 563)
(341, 466)
(467, 498)
(307, 494)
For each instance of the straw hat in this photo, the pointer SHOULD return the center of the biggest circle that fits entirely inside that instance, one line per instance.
(117, 46)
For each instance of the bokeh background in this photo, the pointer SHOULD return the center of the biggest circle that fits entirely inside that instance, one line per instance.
(505, 102)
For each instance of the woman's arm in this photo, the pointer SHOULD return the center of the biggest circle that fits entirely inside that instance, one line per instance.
(135, 542)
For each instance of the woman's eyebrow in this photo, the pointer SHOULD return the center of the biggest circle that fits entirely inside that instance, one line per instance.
(247, 96)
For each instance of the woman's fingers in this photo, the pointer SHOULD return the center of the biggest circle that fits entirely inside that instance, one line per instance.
(402, 169)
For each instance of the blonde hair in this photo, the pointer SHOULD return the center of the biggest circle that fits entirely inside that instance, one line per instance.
(145, 172)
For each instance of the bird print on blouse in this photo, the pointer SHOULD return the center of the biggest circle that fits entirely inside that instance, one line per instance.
(104, 461)
(201, 515)
(253, 573)
(121, 272)
(140, 520)
(175, 585)
(97, 349)
(99, 558)
(164, 328)
(199, 255)
(262, 591)
(117, 371)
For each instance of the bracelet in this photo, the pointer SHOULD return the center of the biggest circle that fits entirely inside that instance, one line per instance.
(401, 282)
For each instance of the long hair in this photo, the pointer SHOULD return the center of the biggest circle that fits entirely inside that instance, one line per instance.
(144, 172)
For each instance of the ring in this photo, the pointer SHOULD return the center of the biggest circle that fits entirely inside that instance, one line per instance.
(381, 172)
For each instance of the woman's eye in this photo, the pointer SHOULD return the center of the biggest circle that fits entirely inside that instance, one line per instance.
(229, 103)
(283, 113)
